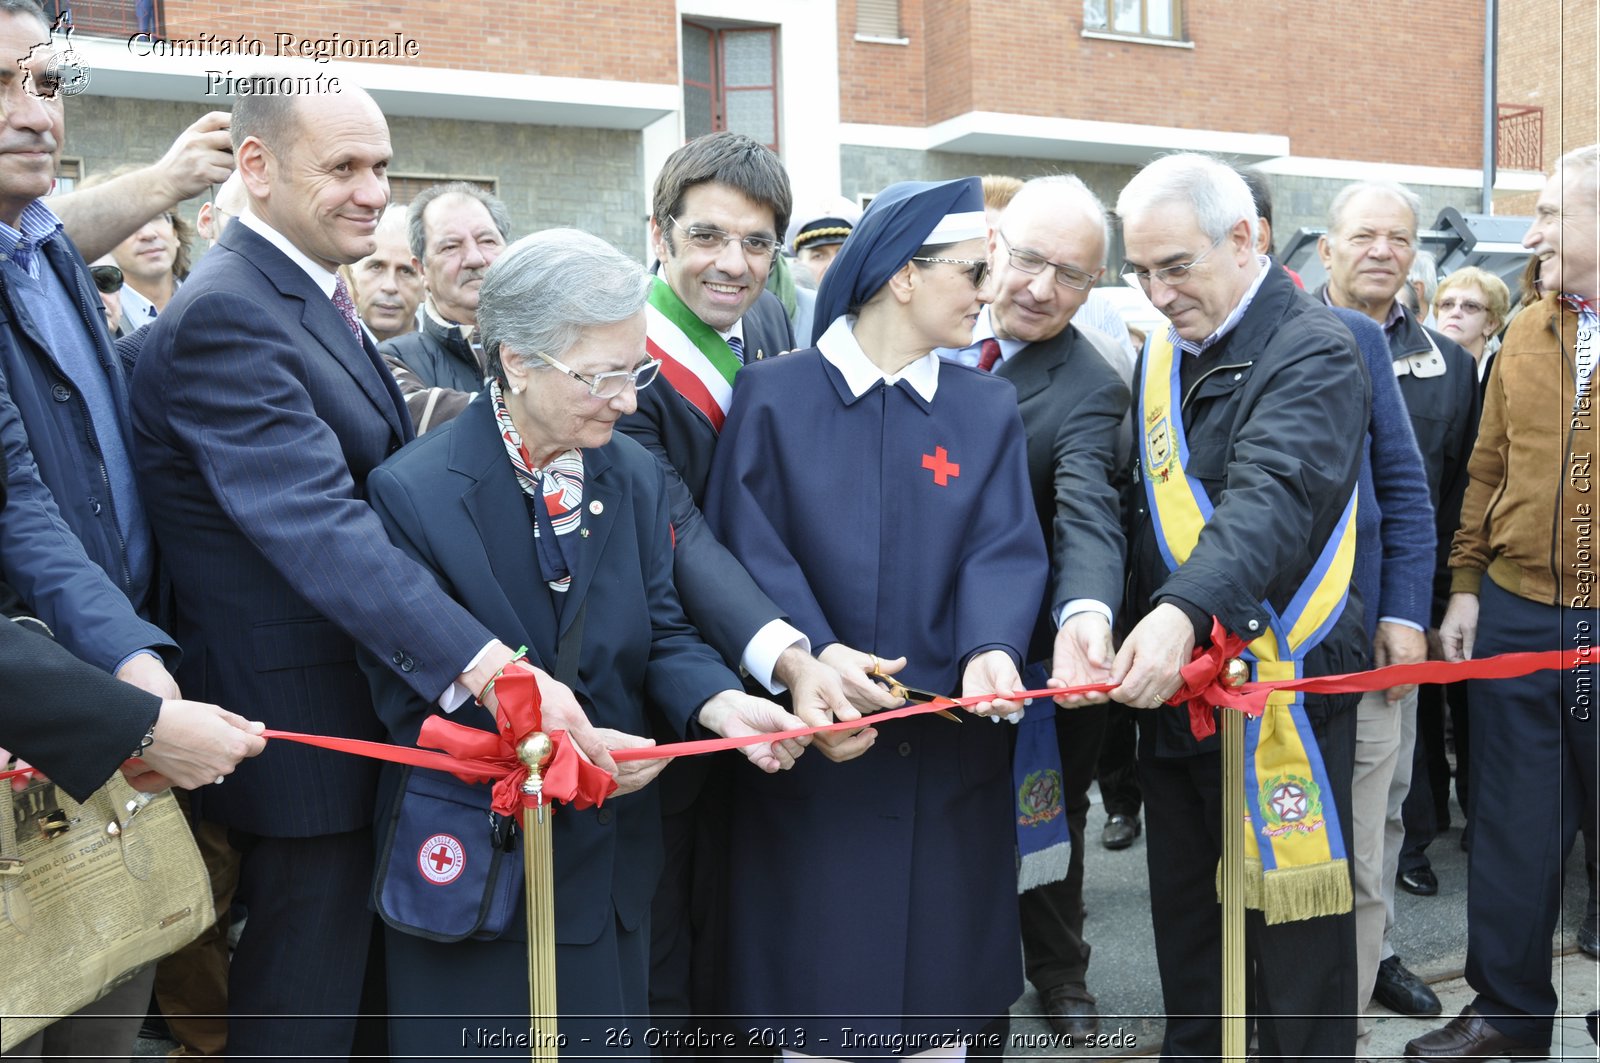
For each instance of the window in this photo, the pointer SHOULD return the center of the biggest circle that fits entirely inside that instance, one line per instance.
(403, 187)
(730, 81)
(1162, 19)
(69, 171)
(110, 18)
(878, 19)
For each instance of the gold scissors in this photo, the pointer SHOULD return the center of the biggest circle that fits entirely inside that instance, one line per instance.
(912, 694)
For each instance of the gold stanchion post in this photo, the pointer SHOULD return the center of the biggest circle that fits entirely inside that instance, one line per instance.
(539, 889)
(1235, 673)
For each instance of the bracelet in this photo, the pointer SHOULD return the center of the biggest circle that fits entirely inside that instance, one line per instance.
(145, 743)
(521, 654)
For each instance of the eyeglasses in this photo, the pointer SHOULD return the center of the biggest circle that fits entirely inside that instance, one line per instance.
(706, 238)
(107, 278)
(610, 385)
(977, 268)
(1467, 306)
(1171, 276)
(1068, 276)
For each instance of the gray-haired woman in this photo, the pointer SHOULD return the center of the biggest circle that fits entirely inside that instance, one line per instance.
(539, 519)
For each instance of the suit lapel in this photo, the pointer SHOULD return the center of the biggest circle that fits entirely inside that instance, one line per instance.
(500, 516)
(1031, 368)
(602, 504)
(322, 321)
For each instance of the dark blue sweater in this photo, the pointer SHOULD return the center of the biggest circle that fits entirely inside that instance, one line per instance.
(1395, 538)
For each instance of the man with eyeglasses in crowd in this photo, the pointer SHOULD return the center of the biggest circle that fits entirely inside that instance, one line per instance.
(456, 231)
(1048, 250)
(1368, 252)
(720, 205)
(1240, 510)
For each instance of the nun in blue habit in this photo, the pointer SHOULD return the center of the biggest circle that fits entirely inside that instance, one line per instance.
(881, 498)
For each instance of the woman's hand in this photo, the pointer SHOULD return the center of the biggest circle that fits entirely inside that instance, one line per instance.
(631, 774)
(993, 672)
(735, 714)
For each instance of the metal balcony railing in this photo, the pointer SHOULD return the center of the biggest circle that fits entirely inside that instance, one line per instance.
(110, 18)
(1519, 137)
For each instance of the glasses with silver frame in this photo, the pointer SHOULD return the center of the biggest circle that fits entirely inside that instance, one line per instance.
(610, 385)
(1171, 276)
(706, 238)
(1035, 264)
(977, 268)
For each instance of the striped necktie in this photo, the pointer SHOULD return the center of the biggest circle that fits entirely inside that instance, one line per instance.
(736, 345)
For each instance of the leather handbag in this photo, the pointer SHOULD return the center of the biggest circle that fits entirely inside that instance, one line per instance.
(89, 894)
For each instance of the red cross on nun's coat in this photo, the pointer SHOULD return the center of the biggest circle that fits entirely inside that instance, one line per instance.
(943, 468)
(441, 859)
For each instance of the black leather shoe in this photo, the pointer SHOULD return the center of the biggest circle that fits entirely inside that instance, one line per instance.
(1403, 992)
(1589, 936)
(1120, 831)
(1071, 1011)
(1469, 1036)
(1420, 881)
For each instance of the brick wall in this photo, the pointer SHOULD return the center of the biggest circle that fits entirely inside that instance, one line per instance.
(548, 176)
(1359, 80)
(624, 40)
(1549, 58)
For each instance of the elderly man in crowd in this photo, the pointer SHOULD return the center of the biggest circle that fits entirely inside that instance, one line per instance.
(1244, 500)
(1522, 577)
(456, 231)
(1368, 252)
(1048, 250)
(388, 282)
(259, 409)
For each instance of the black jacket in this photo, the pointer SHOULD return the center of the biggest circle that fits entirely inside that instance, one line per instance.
(1273, 415)
(439, 356)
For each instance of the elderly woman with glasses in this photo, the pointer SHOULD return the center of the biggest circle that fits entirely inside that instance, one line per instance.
(556, 533)
(1471, 306)
(880, 497)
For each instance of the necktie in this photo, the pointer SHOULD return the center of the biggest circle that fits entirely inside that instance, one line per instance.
(346, 308)
(737, 346)
(989, 354)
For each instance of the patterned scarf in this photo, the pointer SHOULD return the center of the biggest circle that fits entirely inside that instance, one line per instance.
(559, 485)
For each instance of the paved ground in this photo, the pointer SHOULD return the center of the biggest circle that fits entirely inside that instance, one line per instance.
(1430, 937)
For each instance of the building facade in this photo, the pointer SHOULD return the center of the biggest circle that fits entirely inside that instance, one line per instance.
(567, 107)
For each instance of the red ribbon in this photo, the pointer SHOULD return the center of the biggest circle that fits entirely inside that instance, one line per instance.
(475, 755)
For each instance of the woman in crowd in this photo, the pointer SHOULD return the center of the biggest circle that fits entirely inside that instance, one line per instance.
(556, 534)
(1471, 305)
(879, 497)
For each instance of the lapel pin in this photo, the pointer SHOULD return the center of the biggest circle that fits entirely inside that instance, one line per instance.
(597, 507)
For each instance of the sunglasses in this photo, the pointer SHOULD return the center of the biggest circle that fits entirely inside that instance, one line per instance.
(107, 278)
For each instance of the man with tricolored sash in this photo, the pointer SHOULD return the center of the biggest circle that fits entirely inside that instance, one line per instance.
(1242, 514)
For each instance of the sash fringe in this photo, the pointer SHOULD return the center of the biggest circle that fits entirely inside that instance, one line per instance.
(1292, 893)
(1043, 867)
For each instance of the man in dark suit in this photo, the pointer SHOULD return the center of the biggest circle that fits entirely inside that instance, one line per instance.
(1047, 252)
(720, 206)
(259, 409)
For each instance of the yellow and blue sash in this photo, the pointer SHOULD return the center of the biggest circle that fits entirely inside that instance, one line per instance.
(1295, 861)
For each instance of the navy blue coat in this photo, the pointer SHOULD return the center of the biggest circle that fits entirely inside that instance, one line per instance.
(257, 418)
(830, 501)
(452, 502)
(69, 471)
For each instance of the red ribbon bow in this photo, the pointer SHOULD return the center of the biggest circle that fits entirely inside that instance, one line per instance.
(568, 778)
(1204, 689)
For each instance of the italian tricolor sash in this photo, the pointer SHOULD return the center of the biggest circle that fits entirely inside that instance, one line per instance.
(1295, 862)
(697, 361)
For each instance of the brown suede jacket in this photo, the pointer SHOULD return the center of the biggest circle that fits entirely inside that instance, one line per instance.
(1529, 515)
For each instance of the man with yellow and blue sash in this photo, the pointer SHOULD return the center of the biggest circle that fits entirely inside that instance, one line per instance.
(1249, 416)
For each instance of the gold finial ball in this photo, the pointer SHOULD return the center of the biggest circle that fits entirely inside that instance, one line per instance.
(535, 750)
(1235, 672)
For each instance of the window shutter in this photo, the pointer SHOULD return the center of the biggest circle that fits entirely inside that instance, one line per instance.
(878, 18)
